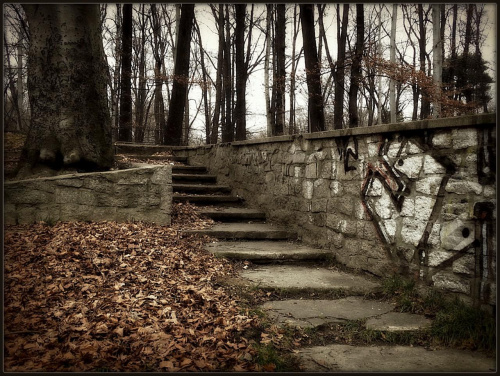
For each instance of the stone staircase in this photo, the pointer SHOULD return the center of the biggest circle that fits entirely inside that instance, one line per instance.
(281, 263)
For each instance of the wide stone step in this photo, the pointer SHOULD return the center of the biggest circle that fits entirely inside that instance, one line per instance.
(233, 214)
(392, 359)
(296, 278)
(207, 199)
(194, 178)
(250, 231)
(177, 169)
(307, 313)
(172, 158)
(266, 251)
(200, 189)
(140, 149)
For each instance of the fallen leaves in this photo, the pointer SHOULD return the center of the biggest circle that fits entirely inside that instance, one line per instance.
(120, 297)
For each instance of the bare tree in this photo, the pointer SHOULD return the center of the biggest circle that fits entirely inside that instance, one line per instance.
(356, 67)
(173, 134)
(338, 109)
(315, 98)
(125, 123)
(437, 54)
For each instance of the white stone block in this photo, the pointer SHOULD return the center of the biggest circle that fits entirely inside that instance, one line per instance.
(463, 187)
(411, 166)
(408, 208)
(373, 150)
(423, 207)
(463, 138)
(307, 189)
(384, 206)
(442, 140)
(413, 148)
(412, 230)
(375, 189)
(429, 185)
(336, 188)
(436, 257)
(457, 234)
(431, 166)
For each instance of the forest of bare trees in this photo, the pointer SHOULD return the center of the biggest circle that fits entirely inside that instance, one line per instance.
(207, 73)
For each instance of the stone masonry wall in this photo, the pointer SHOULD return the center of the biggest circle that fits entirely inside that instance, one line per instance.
(418, 198)
(142, 194)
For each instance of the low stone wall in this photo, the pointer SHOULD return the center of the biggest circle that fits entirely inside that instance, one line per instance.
(418, 198)
(141, 194)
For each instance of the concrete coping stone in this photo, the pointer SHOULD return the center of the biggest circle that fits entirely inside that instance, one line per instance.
(483, 120)
(79, 175)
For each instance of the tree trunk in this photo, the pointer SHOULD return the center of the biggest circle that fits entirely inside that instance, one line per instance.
(241, 73)
(20, 83)
(280, 69)
(227, 129)
(115, 92)
(218, 84)
(125, 125)
(70, 123)
(437, 54)
(313, 78)
(140, 105)
(392, 83)
(379, 55)
(356, 67)
(269, 117)
(158, 55)
(204, 88)
(291, 119)
(338, 108)
(425, 107)
(173, 134)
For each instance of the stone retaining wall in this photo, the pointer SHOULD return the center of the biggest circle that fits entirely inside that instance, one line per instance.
(418, 198)
(142, 194)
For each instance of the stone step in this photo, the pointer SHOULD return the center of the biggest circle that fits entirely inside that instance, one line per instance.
(140, 149)
(398, 322)
(200, 189)
(250, 231)
(200, 179)
(296, 278)
(233, 214)
(207, 199)
(177, 169)
(307, 313)
(392, 359)
(172, 158)
(266, 251)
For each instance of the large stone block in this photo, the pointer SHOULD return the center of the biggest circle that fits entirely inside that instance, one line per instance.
(464, 138)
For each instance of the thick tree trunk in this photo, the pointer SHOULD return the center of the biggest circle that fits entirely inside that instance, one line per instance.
(437, 54)
(241, 73)
(70, 122)
(269, 117)
(280, 70)
(392, 83)
(218, 83)
(425, 108)
(173, 134)
(227, 123)
(315, 100)
(338, 108)
(125, 125)
(356, 67)
(140, 124)
(291, 119)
